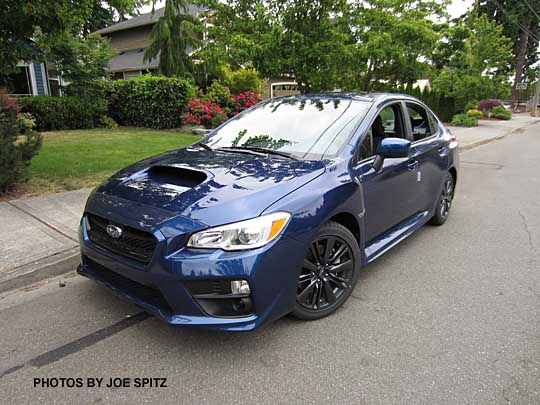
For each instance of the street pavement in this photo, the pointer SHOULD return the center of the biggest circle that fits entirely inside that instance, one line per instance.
(451, 315)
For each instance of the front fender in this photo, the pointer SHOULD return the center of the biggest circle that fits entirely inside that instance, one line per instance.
(316, 203)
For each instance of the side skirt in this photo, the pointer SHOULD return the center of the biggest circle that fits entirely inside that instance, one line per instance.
(391, 238)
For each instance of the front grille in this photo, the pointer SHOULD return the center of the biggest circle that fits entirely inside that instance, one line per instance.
(138, 291)
(135, 244)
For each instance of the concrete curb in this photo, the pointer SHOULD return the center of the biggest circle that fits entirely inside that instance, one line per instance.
(51, 266)
(496, 138)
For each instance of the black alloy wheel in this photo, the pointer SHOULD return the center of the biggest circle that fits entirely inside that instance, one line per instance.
(328, 274)
(445, 201)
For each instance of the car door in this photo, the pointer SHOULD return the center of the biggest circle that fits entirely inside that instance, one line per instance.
(388, 193)
(430, 152)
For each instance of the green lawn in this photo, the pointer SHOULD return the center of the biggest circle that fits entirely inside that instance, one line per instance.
(82, 158)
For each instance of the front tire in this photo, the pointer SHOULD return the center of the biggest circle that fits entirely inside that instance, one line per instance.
(329, 272)
(444, 203)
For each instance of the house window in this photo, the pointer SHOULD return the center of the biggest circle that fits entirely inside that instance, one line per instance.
(135, 73)
(118, 76)
(55, 88)
(20, 82)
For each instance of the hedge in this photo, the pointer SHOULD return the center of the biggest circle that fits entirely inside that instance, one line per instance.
(53, 113)
(150, 101)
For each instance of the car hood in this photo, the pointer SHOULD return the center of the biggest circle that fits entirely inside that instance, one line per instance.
(210, 187)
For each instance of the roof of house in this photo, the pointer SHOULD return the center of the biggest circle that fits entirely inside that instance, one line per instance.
(131, 60)
(144, 19)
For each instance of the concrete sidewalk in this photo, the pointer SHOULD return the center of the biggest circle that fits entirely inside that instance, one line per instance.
(38, 237)
(488, 131)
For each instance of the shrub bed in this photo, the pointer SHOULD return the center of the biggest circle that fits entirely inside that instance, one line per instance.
(501, 113)
(53, 113)
(463, 120)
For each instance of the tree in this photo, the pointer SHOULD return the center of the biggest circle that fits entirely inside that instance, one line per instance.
(520, 20)
(472, 55)
(22, 21)
(80, 59)
(173, 38)
(394, 40)
(329, 44)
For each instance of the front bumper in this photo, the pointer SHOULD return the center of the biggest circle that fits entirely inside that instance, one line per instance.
(159, 287)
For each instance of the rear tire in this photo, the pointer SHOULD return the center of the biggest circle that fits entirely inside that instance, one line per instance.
(444, 203)
(329, 274)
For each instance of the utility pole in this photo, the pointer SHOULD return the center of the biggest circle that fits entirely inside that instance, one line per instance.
(536, 97)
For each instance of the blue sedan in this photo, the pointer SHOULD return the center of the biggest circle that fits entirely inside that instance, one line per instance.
(273, 213)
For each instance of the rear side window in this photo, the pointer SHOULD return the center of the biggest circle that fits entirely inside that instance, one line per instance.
(420, 122)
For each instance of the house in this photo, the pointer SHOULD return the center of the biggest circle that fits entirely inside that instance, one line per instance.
(130, 39)
(34, 78)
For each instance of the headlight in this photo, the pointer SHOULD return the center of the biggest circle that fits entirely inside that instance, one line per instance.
(249, 234)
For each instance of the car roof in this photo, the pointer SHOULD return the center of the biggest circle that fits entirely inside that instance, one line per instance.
(361, 96)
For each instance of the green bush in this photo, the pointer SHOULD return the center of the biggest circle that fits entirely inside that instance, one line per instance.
(501, 113)
(471, 105)
(218, 93)
(53, 113)
(150, 101)
(463, 120)
(242, 80)
(474, 113)
(19, 143)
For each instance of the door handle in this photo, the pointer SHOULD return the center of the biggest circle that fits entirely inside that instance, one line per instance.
(412, 165)
(441, 149)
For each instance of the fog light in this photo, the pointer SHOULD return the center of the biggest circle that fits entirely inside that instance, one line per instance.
(240, 287)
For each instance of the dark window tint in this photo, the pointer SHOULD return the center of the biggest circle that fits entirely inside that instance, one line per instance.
(433, 123)
(419, 121)
(387, 124)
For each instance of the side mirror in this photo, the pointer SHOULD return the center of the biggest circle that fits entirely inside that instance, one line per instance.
(391, 148)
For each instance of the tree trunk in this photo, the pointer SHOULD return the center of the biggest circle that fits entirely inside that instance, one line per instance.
(520, 64)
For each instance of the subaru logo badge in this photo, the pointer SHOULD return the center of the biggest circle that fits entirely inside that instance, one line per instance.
(114, 231)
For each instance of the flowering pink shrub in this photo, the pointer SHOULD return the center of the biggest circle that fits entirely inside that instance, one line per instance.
(211, 115)
(243, 101)
(204, 113)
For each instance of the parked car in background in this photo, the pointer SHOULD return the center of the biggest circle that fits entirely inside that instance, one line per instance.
(274, 212)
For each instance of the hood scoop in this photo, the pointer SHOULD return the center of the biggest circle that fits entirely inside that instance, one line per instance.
(161, 181)
(177, 176)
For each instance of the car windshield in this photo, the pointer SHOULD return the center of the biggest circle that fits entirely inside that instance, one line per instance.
(303, 128)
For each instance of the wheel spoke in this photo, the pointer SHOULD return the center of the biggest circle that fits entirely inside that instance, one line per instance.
(329, 292)
(309, 265)
(339, 253)
(315, 252)
(339, 281)
(304, 277)
(315, 300)
(330, 243)
(338, 268)
(307, 290)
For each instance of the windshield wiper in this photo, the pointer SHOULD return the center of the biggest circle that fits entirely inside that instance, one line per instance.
(266, 151)
(204, 145)
(240, 149)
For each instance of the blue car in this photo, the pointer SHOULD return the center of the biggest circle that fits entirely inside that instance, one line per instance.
(273, 213)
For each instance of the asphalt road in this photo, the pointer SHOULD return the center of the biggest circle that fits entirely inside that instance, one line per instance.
(452, 315)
